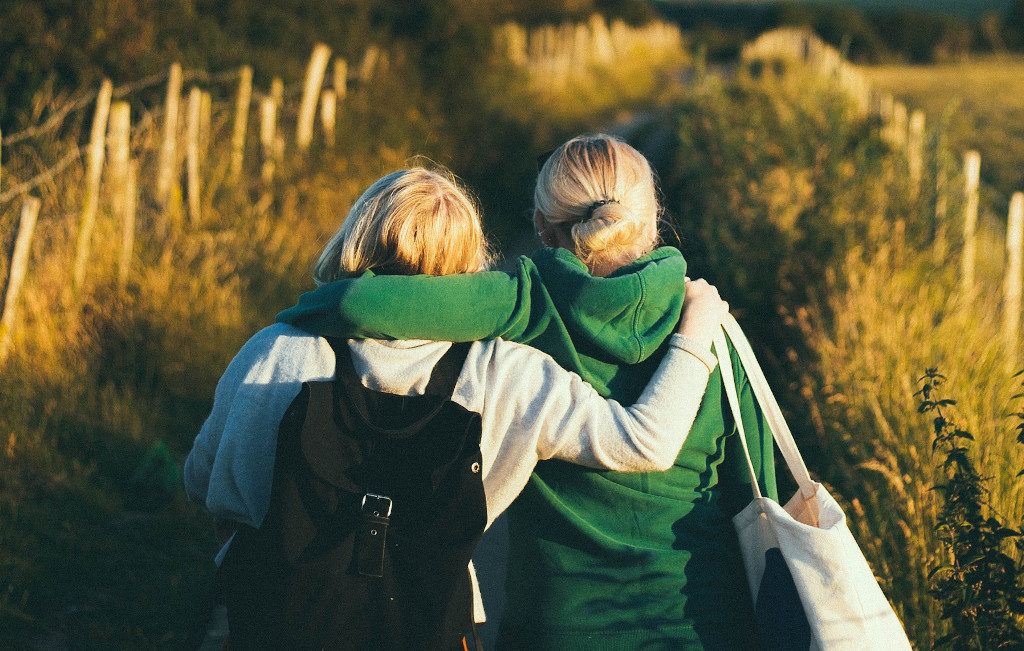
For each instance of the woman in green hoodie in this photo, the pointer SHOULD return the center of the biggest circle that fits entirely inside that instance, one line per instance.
(597, 559)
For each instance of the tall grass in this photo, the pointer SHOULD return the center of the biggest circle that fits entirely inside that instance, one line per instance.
(802, 215)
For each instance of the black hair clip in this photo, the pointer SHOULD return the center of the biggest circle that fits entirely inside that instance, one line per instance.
(597, 204)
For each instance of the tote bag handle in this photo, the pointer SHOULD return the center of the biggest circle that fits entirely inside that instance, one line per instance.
(766, 399)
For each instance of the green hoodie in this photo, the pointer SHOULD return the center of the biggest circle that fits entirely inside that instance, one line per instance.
(597, 559)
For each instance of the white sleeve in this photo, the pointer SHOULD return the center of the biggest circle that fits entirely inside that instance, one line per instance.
(230, 468)
(533, 409)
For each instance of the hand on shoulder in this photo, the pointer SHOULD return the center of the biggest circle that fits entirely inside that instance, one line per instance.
(703, 311)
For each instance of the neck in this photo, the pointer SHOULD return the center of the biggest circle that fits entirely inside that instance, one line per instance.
(604, 266)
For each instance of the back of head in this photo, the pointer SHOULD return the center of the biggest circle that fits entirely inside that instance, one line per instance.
(414, 221)
(601, 192)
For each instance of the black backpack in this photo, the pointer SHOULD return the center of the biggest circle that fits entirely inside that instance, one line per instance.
(376, 507)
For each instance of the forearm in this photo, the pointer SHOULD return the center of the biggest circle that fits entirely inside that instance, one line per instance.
(658, 422)
(645, 436)
(459, 307)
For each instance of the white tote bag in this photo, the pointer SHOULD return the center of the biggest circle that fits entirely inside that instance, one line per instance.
(812, 587)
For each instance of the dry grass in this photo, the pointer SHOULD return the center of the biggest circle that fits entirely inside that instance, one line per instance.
(897, 312)
(101, 376)
(803, 214)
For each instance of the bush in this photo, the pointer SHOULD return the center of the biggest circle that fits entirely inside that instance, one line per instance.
(978, 585)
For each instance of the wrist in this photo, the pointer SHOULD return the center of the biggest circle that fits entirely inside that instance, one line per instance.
(698, 347)
(699, 331)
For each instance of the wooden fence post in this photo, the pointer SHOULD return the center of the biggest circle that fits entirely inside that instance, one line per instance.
(368, 64)
(268, 127)
(601, 38)
(941, 208)
(205, 122)
(242, 102)
(915, 152)
(340, 80)
(118, 145)
(885, 107)
(93, 170)
(16, 274)
(277, 91)
(130, 202)
(310, 94)
(168, 154)
(328, 113)
(192, 153)
(1012, 283)
(898, 126)
(972, 172)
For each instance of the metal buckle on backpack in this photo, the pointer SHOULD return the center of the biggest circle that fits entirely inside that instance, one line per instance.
(376, 504)
(373, 531)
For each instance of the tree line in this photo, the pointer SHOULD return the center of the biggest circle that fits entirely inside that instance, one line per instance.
(864, 35)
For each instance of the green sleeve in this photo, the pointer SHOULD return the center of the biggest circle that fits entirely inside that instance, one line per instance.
(459, 307)
(734, 474)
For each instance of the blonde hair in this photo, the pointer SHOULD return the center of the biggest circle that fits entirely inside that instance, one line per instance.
(603, 192)
(414, 221)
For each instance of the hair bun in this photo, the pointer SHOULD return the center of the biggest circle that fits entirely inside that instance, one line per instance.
(611, 225)
(602, 190)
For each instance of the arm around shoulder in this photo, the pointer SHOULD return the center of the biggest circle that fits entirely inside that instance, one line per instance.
(539, 410)
(416, 307)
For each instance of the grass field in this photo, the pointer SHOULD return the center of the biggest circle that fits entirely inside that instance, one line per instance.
(786, 198)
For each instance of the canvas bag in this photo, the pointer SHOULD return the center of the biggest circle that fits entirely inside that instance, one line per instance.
(811, 585)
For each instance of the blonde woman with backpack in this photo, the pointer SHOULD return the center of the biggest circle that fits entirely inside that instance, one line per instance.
(359, 475)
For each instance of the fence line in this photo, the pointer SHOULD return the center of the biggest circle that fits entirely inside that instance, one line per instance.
(553, 56)
(54, 120)
(550, 52)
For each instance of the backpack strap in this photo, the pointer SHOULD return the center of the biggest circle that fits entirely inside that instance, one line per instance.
(446, 372)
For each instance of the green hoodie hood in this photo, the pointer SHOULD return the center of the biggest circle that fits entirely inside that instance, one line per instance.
(623, 317)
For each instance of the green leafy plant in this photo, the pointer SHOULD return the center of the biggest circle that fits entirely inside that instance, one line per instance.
(977, 583)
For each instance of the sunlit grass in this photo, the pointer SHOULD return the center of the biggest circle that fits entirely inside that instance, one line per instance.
(803, 216)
